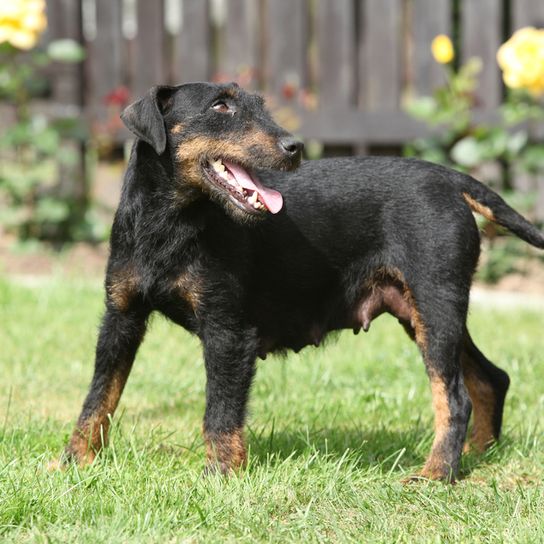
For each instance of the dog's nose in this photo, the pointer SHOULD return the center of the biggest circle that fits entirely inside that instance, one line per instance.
(291, 146)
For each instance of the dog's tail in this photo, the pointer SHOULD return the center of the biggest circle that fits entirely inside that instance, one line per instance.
(486, 202)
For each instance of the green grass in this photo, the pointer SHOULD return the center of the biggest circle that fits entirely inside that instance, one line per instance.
(332, 432)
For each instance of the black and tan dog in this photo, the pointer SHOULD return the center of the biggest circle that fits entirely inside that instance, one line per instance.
(218, 231)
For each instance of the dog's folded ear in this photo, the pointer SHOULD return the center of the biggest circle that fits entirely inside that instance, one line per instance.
(144, 118)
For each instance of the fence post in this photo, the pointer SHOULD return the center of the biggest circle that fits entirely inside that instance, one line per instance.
(193, 53)
(65, 21)
(148, 64)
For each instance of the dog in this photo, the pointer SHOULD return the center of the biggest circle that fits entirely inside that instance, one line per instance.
(220, 229)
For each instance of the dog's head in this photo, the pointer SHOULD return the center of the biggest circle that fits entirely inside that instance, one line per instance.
(217, 136)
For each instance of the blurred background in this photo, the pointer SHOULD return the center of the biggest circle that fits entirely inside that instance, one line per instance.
(460, 82)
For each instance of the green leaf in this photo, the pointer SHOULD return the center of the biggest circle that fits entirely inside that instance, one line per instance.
(435, 155)
(532, 159)
(494, 143)
(517, 141)
(422, 108)
(51, 210)
(47, 141)
(71, 128)
(467, 152)
(68, 51)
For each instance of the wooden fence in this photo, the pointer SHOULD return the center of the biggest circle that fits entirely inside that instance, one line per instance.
(343, 68)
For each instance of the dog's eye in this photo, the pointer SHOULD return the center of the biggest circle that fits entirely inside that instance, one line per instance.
(221, 107)
(225, 106)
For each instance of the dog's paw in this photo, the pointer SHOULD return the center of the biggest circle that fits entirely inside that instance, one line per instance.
(217, 469)
(430, 476)
(56, 465)
(68, 458)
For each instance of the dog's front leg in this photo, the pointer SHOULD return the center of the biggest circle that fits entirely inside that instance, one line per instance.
(230, 366)
(119, 338)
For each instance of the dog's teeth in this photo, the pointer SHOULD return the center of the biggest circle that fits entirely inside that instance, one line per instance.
(253, 198)
(234, 183)
(256, 205)
(219, 167)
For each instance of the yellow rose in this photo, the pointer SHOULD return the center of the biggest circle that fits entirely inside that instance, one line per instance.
(442, 49)
(23, 39)
(521, 59)
(11, 10)
(35, 21)
(22, 22)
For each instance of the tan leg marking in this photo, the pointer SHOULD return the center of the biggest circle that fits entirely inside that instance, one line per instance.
(226, 450)
(89, 436)
(189, 285)
(417, 321)
(483, 401)
(122, 288)
(435, 465)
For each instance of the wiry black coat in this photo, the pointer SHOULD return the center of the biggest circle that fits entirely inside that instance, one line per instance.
(355, 237)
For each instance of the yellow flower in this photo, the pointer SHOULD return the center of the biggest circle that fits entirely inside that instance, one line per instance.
(22, 22)
(35, 21)
(442, 49)
(521, 59)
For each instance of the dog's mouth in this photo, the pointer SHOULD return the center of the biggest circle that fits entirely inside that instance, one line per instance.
(242, 187)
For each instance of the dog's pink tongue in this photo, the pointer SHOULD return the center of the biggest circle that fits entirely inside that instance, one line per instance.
(272, 199)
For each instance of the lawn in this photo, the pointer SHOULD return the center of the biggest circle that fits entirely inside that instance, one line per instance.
(332, 432)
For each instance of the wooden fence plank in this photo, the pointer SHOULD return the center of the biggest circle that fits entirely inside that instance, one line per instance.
(65, 21)
(527, 13)
(286, 45)
(336, 53)
(428, 19)
(105, 53)
(148, 66)
(67, 84)
(194, 55)
(481, 37)
(381, 79)
(239, 55)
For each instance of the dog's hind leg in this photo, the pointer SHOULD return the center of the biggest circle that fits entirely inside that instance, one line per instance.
(487, 386)
(451, 406)
(230, 366)
(439, 335)
(120, 335)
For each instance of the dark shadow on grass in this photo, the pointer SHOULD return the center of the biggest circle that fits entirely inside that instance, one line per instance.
(393, 451)
(495, 455)
(396, 451)
(389, 449)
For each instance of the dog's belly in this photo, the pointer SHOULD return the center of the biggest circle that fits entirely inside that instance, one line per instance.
(298, 326)
(291, 323)
(294, 341)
